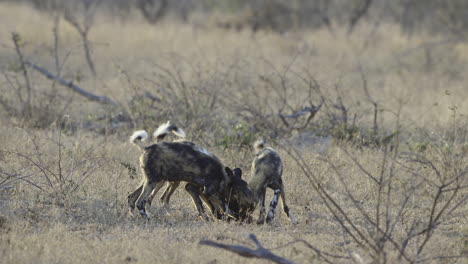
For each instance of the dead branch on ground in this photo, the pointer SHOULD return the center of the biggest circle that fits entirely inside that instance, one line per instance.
(260, 252)
(97, 98)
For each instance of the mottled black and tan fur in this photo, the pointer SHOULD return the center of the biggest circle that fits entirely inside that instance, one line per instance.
(159, 135)
(173, 162)
(266, 172)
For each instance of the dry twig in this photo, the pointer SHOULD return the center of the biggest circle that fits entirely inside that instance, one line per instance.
(260, 252)
(16, 40)
(84, 29)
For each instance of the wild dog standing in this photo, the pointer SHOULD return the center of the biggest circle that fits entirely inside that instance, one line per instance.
(159, 135)
(180, 161)
(267, 169)
(239, 197)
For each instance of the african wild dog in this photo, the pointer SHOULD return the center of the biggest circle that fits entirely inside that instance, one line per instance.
(206, 176)
(160, 134)
(240, 199)
(267, 169)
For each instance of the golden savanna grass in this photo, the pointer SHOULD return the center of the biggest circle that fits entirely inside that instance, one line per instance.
(422, 76)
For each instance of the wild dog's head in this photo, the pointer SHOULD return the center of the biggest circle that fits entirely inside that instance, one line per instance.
(240, 198)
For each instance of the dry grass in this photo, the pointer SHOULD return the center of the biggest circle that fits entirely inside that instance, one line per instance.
(90, 225)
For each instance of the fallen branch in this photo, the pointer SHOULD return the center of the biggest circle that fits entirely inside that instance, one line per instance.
(71, 85)
(260, 252)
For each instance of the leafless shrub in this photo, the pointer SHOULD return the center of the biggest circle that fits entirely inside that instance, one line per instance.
(433, 184)
(41, 109)
(83, 28)
(282, 112)
(54, 165)
(380, 222)
(179, 92)
(21, 100)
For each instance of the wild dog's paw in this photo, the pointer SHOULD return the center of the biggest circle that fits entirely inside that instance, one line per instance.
(204, 217)
(270, 216)
(143, 213)
(260, 221)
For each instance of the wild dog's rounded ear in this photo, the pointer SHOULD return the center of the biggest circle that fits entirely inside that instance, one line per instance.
(229, 172)
(237, 172)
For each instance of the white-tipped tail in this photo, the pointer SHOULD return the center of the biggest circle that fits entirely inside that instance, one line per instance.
(167, 128)
(179, 132)
(140, 135)
(162, 130)
(259, 144)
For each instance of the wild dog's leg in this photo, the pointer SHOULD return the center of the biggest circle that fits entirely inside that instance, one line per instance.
(210, 205)
(273, 204)
(285, 206)
(148, 187)
(150, 198)
(194, 191)
(132, 199)
(218, 204)
(153, 194)
(261, 217)
(168, 193)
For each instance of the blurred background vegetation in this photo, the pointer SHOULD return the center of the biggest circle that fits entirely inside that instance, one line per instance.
(435, 16)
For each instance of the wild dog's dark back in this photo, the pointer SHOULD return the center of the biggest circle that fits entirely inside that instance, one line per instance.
(181, 161)
(267, 168)
(266, 172)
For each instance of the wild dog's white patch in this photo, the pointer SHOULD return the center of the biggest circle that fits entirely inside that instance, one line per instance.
(149, 215)
(271, 215)
(167, 128)
(204, 151)
(162, 129)
(139, 135)
(145, 214)
(180, 133)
